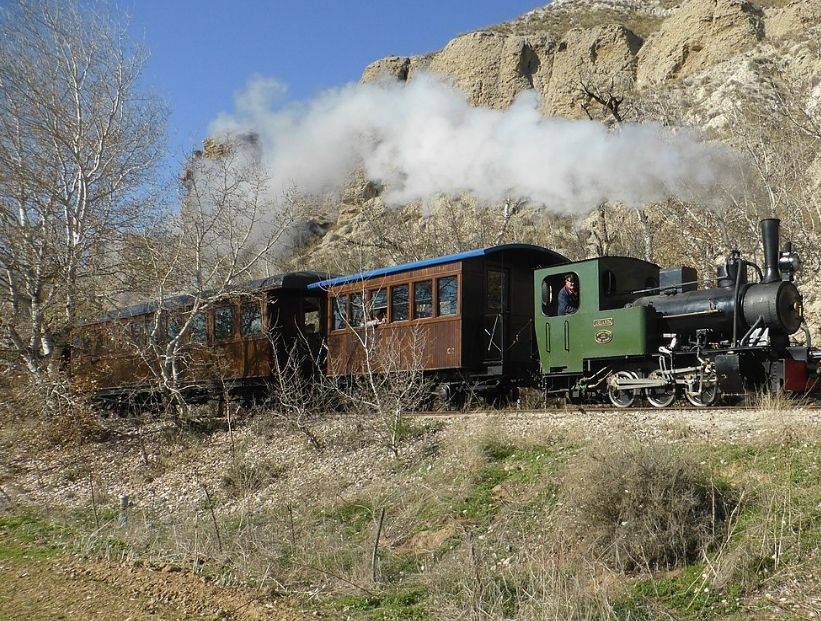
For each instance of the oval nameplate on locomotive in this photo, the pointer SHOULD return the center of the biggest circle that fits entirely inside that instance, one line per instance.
(603, 323)
(603, 337)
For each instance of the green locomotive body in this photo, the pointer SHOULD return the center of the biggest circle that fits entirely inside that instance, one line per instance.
(602, 328)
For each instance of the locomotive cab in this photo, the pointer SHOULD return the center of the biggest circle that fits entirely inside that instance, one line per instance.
(603, 326)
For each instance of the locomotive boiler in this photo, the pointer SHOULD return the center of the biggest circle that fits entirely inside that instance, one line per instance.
(736, 307)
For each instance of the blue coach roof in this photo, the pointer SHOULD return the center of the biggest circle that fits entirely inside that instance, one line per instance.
(551, 258)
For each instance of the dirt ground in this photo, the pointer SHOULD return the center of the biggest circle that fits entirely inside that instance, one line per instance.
(36, 589)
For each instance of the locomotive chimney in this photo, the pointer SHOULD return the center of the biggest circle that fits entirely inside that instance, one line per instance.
(769, 236)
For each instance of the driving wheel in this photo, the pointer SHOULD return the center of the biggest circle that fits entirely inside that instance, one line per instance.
(660, 396)
(620, 397)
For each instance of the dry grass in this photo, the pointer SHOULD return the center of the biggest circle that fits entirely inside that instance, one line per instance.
(644, 506)
(499, 521)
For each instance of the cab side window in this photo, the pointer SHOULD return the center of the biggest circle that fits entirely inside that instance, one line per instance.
(561, 294)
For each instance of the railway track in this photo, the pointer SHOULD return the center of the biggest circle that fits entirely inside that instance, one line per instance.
(598, 409)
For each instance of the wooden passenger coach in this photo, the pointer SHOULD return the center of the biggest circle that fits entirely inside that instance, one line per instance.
(463, 318)
(229, 345)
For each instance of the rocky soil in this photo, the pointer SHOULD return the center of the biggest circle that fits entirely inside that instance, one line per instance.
(76, 590)
(172, 477)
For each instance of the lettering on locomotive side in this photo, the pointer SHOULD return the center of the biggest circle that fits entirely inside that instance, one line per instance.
(603, 337)
(605, 322)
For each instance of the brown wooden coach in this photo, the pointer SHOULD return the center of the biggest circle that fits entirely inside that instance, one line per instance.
(229, 345)
(465, 319)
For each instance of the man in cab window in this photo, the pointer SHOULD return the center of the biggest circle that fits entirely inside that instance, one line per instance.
(569, 296)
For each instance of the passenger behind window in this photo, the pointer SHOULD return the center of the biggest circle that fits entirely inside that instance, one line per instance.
(379, 317)
(569, 296)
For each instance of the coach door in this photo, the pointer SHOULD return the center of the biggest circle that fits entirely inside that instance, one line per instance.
(495, 316)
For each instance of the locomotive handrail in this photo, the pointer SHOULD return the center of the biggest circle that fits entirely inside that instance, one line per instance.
(704, 313)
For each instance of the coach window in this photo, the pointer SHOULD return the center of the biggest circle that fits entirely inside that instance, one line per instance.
(85, 342)
(357, 310)
(310, 319)
(447, 295)
(137, 332)
(496, 291)
(250, 319)
(150, 336)
(422, 299)
(379, 306)
(99, 342)
(399, 303)
(223, 323)
(94, 344)
(173, 327)
(340, 312)
(199, 332)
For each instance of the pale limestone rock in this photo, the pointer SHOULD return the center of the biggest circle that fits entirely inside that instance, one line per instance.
(490, 68)
(699, 34)
(395, 67)
(603, 57)
(794, 20)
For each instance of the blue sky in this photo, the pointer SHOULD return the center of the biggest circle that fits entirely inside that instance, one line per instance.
(204, 51)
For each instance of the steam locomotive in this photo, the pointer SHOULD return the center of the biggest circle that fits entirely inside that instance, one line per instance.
(484, 322)
(642, 331)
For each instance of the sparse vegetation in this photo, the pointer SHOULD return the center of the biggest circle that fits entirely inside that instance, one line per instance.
(378, 516)
(487, 525)
(557, 23)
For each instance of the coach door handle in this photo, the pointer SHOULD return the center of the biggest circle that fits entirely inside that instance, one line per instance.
(547, 337)
(567, 335)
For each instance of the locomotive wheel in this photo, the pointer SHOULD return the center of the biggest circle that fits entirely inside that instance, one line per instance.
(623, 398)
(707, 396)
(661, 396)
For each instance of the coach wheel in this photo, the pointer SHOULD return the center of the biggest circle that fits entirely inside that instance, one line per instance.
(660, 396)
(707, 396)
(450, 397)
(620, 397)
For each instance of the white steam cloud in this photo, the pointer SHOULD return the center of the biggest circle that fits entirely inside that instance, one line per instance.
(421, 138)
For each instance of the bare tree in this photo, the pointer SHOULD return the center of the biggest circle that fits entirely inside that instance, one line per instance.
(77, 142)
(300, 397)
(384, 373)
(230, 229)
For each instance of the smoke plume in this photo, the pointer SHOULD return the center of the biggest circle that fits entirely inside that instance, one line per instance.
(421, 138)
